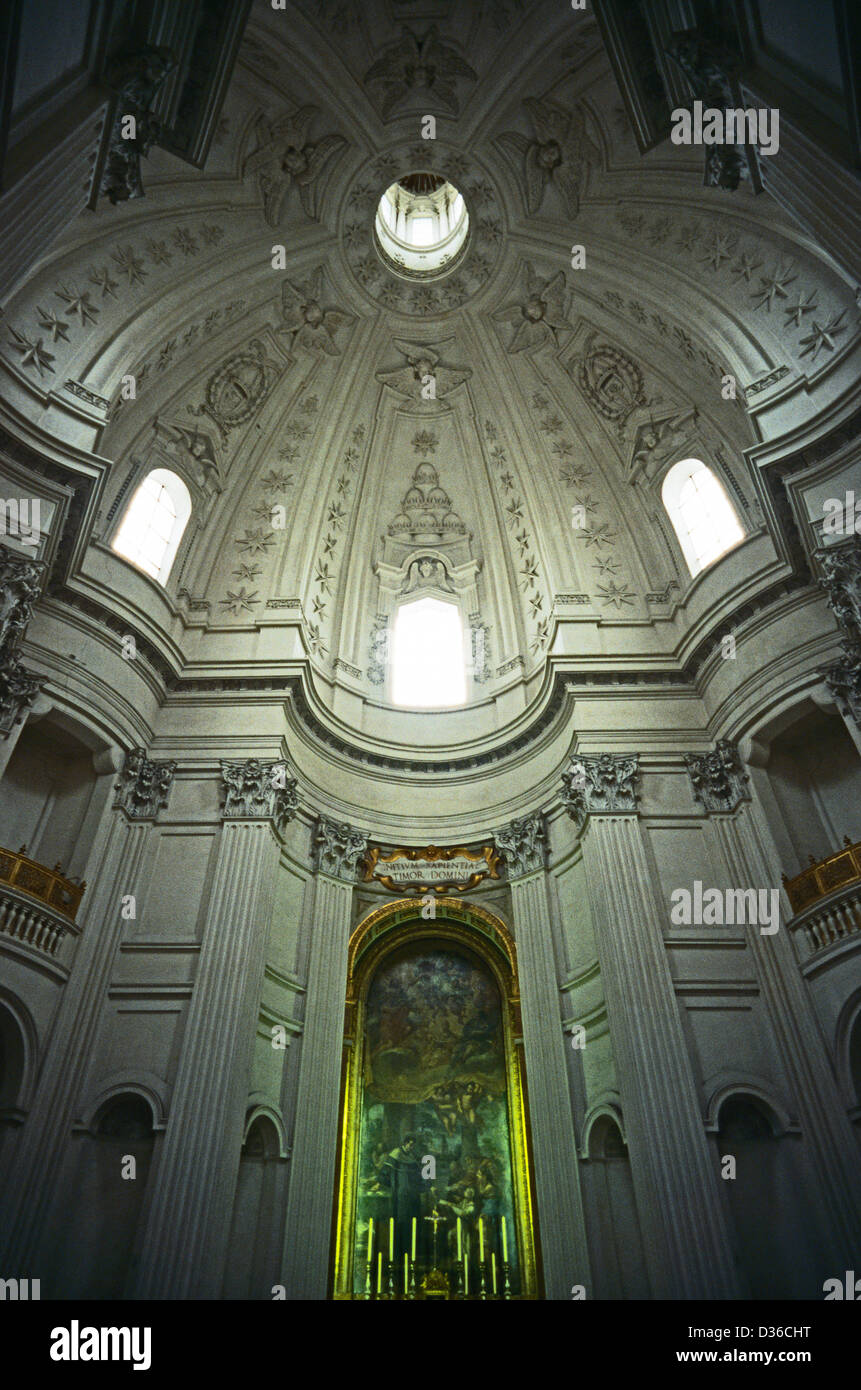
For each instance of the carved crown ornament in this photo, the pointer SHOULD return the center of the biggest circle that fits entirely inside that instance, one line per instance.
(20, 585)
(718, 778)
(601, 784)
(258, 790)
(430, 870)
(143, 788)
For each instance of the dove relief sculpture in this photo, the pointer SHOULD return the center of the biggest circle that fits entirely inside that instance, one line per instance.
(423, 366)
(414, 64)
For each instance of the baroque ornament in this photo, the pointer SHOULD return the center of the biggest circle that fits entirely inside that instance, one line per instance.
(257, 790)
(561, 154)
(601, 784)
(20, 582)
(841, 579)
(423, 65)
(424, 372)
(717, 778)
(236, 391)
(304, 319)
(540, 315)
(610, 380)
(286, 158)
(144, 786)
(136, 79)
(339, 848)
(523, 843)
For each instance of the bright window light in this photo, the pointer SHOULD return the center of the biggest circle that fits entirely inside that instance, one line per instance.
(422, 229)
(428, 669)
(152, 527)
(703, 516)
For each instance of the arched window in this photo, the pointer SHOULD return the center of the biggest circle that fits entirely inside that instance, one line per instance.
(152, 527)
(428, 667)
(702, 514)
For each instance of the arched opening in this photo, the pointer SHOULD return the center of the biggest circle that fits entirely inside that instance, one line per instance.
(703, 517)
(855, 1057)
(617, 1244)
(90, 1250)
(49, 800)
(434, 1198)
(258, 1214)
(428, 662)
(13, 1061)
(151, 529)
(768, 1203)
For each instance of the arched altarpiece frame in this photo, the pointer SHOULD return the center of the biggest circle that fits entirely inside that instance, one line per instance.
(377, 938)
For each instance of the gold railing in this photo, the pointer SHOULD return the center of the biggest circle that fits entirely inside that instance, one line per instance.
(824, 876)
(47, 885)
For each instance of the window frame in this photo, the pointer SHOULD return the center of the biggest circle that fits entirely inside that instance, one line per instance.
(447, 601)
(670, 501)
(179, 532)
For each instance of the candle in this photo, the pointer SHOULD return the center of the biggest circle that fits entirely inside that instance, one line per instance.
(459, 1245)
(414, 1240)
(481, 1240)
(391, 1239)
(504, 1244)
(493, 1268)
(370, 1240)
(465, 1278)
(406, 1270)
(379, 1272)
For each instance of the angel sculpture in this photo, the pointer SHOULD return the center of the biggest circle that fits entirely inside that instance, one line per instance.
(541, 315)
(414, 380)
(425, 64)
(285, 157)
(561, 153)
(309, 324)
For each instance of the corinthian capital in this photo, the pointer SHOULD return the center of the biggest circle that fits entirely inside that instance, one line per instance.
(257, 790)
(523, 843)
(601, 784)
(841, 579)
(144, 786)
(339, 847)
(718, 778)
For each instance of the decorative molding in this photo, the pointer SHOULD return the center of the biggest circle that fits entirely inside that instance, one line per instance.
(763, 383)
(256, 790)
(601, 784)
(20, 584)
(718, 778)
(523, 844)
(285, 159)
(575, 599)
(340, 665)
(143, 788)
(85, 394)
(432, 869)
(338, 848)
(561, 153)
(425, 64)
(841, 579)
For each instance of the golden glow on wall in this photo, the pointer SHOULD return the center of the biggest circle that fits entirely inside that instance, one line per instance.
(434, 1196)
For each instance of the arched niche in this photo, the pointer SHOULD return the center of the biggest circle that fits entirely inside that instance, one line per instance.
(432, 1026)
(258, 1208)
(767, 1190)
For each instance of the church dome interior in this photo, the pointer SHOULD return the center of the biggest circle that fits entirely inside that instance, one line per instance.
(431, 566)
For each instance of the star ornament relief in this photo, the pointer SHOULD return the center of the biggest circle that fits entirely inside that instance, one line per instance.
(239, 602)
(256, 542)
(57, 327)
(617, 595)
(822, 335)
(32, 354)
(773, 286)
(78, 304)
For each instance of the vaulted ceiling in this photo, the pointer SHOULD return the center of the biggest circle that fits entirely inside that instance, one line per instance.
(563, 379)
